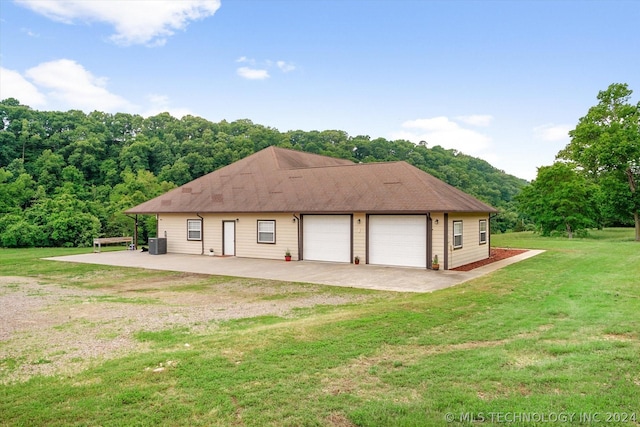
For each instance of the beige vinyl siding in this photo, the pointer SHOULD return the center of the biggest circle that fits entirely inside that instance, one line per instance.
(247, 245)
(471, 250)
(246, 238)
(360, 236)
(174, 228)
(437, 237)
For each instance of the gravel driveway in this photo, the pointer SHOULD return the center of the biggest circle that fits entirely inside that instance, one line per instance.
(56, 329)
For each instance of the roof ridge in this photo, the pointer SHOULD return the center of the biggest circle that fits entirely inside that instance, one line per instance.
(272, 148)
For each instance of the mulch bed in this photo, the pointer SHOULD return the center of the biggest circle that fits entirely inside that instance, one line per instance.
(496, 254)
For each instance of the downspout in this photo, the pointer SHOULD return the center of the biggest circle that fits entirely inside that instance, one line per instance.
(202, 233)
(446, 241)
(135, 230)
(429, 238)
(299, 247)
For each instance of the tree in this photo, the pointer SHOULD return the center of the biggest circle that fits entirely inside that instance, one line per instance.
(106, 163)
(606, 143)
(559, 198)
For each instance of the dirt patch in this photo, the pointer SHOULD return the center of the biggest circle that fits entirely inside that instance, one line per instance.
(53, 329)
(496, 254)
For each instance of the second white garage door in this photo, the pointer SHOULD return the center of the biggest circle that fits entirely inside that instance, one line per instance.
(326, 238)
(398, 240)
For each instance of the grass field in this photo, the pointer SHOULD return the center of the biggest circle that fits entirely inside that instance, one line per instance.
(554, 338)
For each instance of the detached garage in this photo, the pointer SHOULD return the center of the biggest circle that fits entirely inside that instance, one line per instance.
(326, 238)
(398, 240)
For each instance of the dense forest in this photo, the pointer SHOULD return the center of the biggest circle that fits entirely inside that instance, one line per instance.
(66, 177)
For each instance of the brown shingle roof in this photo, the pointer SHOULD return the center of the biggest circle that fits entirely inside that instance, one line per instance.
(280, 180)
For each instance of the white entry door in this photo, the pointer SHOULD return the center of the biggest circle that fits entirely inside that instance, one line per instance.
(326, 238)
(398, 240)
(228, 238)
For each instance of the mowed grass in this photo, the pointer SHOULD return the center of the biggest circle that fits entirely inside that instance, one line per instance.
(552, 336)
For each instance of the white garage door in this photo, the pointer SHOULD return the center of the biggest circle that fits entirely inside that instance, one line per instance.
(326, 238)
(398, 240)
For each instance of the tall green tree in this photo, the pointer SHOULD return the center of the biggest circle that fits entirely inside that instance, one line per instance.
(559, 199)
(606, 143)
(96, 165)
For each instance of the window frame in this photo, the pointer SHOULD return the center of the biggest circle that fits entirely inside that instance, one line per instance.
(258, 232)
(457, 246)
(190, 229)
(482, 233)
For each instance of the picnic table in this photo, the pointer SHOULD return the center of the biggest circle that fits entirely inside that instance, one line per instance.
(99, 241)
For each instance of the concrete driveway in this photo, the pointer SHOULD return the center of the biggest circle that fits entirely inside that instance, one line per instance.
(349, 275)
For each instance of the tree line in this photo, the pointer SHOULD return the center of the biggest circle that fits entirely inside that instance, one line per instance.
(596, 179)
(67, 177)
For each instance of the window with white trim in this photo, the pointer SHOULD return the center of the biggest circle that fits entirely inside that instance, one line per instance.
(194, 229)
(266, 231)
(483, 231)
(457, 234)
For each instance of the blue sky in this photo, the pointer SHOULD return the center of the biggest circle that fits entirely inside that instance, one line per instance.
(500, 80)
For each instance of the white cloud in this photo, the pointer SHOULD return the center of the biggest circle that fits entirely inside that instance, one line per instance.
(147, 22)
(253, 73)
(64, 84)
(71, 84)
(161, 104)
(444, 132)
(14, 85)
(244, 59)
(483, 120)
(285, 67)
(30, 33)
(261, 72)
(552, 132)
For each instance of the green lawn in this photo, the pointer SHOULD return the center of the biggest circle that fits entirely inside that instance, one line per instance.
(554, 337)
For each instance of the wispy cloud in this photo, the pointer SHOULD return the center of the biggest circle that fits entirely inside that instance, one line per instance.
(285, 67)
(65, 84)
(147, 22)
(70, 84)
(162, 104)
(445, 132)
(552, 132)
(30, 33)
(259, 70)
(253, 73)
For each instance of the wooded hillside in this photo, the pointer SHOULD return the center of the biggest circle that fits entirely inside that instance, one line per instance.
(66, 177)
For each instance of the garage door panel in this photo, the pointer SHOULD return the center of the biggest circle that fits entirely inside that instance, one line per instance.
(398, 240)
(327, 238)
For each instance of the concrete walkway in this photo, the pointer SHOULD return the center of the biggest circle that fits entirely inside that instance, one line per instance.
(375, 277)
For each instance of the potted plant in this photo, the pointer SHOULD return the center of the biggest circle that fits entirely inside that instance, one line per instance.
(435, 265)
(210, 251)
(356, 260)
(287, 255)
